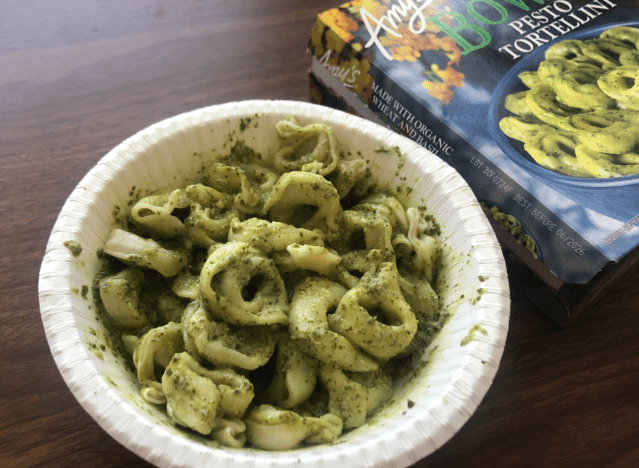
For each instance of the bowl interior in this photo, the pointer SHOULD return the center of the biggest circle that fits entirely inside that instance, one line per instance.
(472, 285)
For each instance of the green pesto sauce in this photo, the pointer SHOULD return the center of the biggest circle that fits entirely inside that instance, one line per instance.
(471, 334)
(404, 369)
(246, 122)
(479, 293)
(382, 150)
(512, 225)
(74, 247)
(241, 154)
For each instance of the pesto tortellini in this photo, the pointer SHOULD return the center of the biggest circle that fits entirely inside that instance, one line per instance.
(580, 113)
(267, 303)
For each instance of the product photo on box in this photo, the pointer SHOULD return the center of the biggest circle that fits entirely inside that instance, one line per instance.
(533, 102)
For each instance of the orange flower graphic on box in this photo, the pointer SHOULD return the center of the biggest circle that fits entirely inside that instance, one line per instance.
(340, 22)
(403, 45)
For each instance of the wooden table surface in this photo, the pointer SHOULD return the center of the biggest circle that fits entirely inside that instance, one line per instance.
(77, 78)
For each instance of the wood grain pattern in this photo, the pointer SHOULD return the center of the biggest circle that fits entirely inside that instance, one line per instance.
(77, 78)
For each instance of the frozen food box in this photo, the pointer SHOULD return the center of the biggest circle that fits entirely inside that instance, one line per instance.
(533, 102)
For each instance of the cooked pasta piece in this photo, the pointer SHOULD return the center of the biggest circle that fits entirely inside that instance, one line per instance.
(311, 303)
(233, 180)
(314, 258)
(156, 212)
(229, 432)
(604, 165)
(186, 285)
(270, 236)
(354, 396)
(241, 285)
(309, 148)
(120, 294)
(347, 174)
(156, 347)
(387, 206)
(366, 230)
(556, 151)
(375, 316)
(133, 249)
(609, 131)
(222, 344)
(419, 294)
(523, 128)
(294, 378)
(198, 397)
(579, 89)
(304, 199)
(271, 428)
(211, 213)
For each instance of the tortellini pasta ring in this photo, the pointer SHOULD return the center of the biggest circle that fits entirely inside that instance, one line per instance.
(120, 295)
(530, 79)
(375, 230)
(426, 247)
(378, 290)
(605, 165)
(312, 300)
(297, 192)
(235, 390)
(347, 174)
(354, 397)
(556, 151)
(314, 258)
(568, 49)
(579, 88)
(223, 345)
(551, 68)
(322, 158)
(272, 236)
(604, 51)
(611, 131)
(232, 180)
(200, 398)
(523, 128)
(622, 84)
(294, 378)
(387, 206)
(624, 34)
(133, 249)
(271, 428)
(156, 212)
(207, 226)
(629, 58)
(516, 103)
(157, 346)
(542, 102)
(242, 286)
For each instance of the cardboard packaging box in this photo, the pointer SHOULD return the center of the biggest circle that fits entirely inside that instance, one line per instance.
(533, 102)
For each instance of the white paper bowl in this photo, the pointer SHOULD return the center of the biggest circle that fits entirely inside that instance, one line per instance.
(168, 154)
